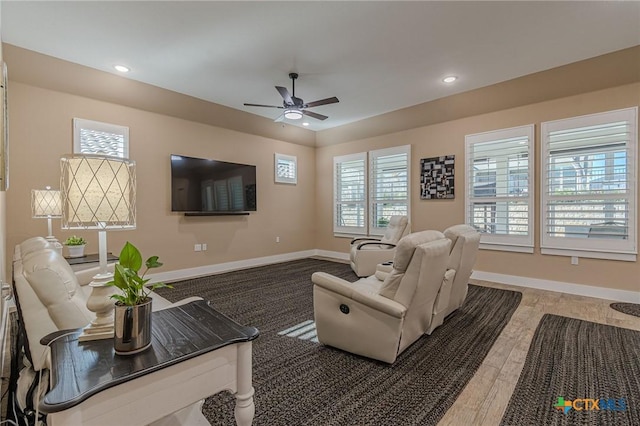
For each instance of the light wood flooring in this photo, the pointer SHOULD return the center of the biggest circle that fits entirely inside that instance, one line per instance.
(485, 398)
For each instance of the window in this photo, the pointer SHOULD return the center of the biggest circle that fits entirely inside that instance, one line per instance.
(94, 137)
(350, 194)
(286, 169)
(588, 185)
(499, 188)
(369, 188)
(389, 186)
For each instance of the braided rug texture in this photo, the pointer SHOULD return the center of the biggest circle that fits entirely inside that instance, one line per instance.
(298, 382)
(627, 308)
(576, 359)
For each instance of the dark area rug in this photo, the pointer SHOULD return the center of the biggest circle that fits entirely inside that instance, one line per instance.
(573, 359)
(299, 382)
(627, 308)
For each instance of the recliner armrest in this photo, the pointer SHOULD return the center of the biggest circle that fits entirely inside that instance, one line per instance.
(345, 289)
(355, 240)
(371, 243)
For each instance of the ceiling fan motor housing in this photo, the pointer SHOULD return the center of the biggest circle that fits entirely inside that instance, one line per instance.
(295, 107)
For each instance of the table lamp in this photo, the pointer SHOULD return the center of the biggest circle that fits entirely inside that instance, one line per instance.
(45, 203)
(98, 192)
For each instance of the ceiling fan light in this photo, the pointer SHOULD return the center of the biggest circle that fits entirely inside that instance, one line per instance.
(292, 114)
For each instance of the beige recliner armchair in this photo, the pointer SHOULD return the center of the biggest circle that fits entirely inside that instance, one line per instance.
(367, 252)
(465, 241)
(380, 319)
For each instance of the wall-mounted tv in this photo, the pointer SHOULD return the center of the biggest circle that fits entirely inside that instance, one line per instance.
(200, 185)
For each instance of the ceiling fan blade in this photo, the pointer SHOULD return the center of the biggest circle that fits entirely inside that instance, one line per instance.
(323, 102)
(265, 106)
(285, 94)
(314, 115)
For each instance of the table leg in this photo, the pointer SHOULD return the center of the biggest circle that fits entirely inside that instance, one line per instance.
(245, 409)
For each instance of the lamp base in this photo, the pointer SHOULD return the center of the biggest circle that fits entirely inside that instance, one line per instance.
(56, 245)
(103, 306)
(96, 333)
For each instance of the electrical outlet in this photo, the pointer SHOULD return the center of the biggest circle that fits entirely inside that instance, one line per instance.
(204, 247)
(574, 260)
(277, 239)
(197, 247)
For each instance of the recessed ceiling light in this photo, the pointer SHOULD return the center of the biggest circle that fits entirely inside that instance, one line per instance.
(121, 68)
(450, 79)
(305, 124)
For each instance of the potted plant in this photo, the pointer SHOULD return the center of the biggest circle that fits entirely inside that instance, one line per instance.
(132, 325)
(75, 245)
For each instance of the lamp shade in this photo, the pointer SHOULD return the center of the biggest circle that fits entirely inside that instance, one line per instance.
(98, 192)
(45, 203)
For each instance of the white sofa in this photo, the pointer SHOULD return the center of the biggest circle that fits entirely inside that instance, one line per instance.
(50, 297)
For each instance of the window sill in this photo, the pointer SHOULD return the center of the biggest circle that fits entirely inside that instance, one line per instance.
(350, 236)
(625, 257)
(506, 247)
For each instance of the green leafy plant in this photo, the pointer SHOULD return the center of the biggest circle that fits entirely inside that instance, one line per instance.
(383, 222)
(128, 281)
(75, 241)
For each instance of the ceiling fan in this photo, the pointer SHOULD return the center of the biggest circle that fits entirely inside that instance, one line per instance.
(294, 108)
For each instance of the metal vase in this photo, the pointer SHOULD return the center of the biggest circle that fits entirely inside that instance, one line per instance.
(132, 326)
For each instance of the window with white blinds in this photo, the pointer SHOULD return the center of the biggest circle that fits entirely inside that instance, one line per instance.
(499, 187)
(286, 169)
(589, 185)
(94, 137)
(350, 194)
(369, 188)
(389, 186)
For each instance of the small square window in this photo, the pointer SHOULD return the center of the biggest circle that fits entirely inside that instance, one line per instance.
(286, 169)
(94, 137)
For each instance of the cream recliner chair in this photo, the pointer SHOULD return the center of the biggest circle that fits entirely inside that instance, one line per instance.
(465, 241)
(380, 319)
(367, 252)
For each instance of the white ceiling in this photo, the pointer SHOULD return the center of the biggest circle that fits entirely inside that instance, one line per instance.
(375, 57)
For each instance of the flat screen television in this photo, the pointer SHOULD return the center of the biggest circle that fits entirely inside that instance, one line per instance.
(200, 185)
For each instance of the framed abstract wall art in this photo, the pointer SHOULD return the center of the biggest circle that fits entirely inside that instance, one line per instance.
(437, 177)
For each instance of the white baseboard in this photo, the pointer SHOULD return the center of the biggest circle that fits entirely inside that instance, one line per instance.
(559, 286)
(183, 274)
(332, 254)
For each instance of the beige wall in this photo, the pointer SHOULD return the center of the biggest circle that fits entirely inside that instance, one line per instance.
(448, 138)
(46, 93)
(41, 132)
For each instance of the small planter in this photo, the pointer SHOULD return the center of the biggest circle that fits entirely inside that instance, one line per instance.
(132, 328)
(76, 251)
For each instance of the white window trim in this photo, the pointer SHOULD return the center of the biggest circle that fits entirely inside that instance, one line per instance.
(404, 149)
(349, 230)
(520, 244)
(80, 123)
(286, 158)
(566, 246)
